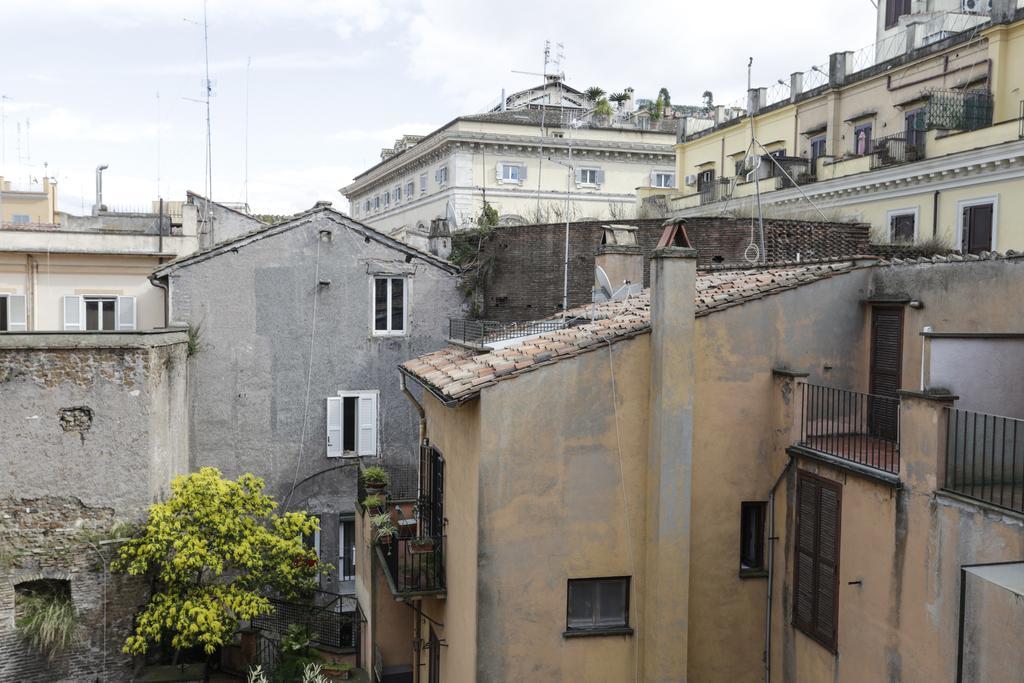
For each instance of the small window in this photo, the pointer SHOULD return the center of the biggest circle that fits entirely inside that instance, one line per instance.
(352, 424)
(752, 516)
(442, 175)
(511, 173)
(389, 305)
(902, 227)
(862, 139)
(312, 541)
(20, 218)
(558, 134)
(3, 313)
(387, 199)
(376, 202)
(817, 150)
(664, 179)
(423, 183)
(366, 206)
(410, 188)
(398, 193)
(100, 313)
(894, 9)
(598, 605)
(590, 176)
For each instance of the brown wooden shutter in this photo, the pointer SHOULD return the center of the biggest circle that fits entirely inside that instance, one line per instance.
(816, 580)
(886, 368)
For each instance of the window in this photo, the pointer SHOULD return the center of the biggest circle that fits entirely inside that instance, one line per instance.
(894, 9)
(99, 313)
(12, 313)
(346, 548)
(589, 176)
(862, 139)
(376, 202)
(423, 183)
(914, 129)
(663, 179)
(902, 225)
(817, 150)
(816, 566)
(752, 516)
(20, 218)
(598, 606)
(389, 304)
(312, 541)
(509, 172)
(977, 226)
(352, 424)
(387, 199)
(410, 188)
(705, 179)
(442, 175)
(366, 206)
(398, 193)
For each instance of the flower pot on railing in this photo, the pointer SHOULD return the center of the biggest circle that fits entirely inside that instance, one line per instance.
(421, 546)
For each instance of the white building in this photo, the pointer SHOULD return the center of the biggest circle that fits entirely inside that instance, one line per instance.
(518, 161)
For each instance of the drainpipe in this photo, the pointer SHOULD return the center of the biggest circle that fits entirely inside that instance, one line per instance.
(935, 213)
(417, 406)
(772, 538)
(157, 282)
(99, 188)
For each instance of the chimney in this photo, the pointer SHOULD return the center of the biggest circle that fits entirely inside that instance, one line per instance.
(719, 114)
(628, 105)
(796, 85)
(99, 190)
(839, 65)
(439, 239)
(620, 256)
(669, 456)
(757, 98)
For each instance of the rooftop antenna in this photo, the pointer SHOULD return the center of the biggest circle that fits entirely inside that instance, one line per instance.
(208, 190)
(757, 181)
(158, 195)
(245, 181)
(543, 114)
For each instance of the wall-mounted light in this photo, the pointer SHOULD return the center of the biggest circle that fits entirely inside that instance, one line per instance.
(915, 303)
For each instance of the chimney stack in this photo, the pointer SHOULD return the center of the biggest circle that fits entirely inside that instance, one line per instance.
(99, 189)
(620, 256)
(439, 239)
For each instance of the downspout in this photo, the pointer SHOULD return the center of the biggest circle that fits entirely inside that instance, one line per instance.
(417, 406)
(935, 213)
(423, 440)
(772, 538)
(157, 282)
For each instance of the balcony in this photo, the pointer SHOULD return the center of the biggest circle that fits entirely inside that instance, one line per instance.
(415, 565)
(491, 334)
(855, 427)
(714, 191)
(985, 458)
(897, 149)
(334, 620)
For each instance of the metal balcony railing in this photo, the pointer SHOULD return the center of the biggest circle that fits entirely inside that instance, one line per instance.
(416, 564)
(985, 458)
(485, 332)
(714, 191)
(860, 428)
(897, 149)
(333, 619)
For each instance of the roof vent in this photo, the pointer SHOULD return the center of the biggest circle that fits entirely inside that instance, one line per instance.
(322, 204)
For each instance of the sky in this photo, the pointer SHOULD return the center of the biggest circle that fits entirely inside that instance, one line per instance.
(311, 91)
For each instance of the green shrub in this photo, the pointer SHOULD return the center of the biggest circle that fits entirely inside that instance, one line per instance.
(47, 620)
(376, 475)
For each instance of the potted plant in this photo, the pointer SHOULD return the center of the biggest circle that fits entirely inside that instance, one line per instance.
(337, 671)
(374, 501)
(375, 478)
(421, 545)
(384, 526)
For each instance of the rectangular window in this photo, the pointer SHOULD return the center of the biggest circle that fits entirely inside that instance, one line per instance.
(398, 193)
(389, 305)
(3, 314)
(376, 202)
(663, 179)
(752, 517)
(346, 548)
(862, 139)
(21, 218)
(816, 566)
(423, 183)
(442, 175)
(598, 605)
(312, 541)
(387, 199)
(410, 188)
(976, 228)
(902, 227)
(511, 173)
(589, 176)
(366, 206)
(817, 150)
(352, 424)
(99, 313)
(705, 179)
(894, 9)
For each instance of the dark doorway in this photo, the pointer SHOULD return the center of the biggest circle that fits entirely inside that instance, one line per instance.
(977, 229)
(434, 659)
(886, 366)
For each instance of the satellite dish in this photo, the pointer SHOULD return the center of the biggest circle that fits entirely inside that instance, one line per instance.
(604, 289)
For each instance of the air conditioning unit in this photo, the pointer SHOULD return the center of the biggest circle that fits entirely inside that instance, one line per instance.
(690, 180)
(976, 6)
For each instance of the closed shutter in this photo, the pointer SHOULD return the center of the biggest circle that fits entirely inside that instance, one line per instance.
(16, 313)
(654, 179)
(579, 175)
(367, 416)
(816, 570)
(600, 176)
(74, 317)
(886, 367)
(498, 171)
(522, 172)
(125, 313)
(977, 229)
(334, 435)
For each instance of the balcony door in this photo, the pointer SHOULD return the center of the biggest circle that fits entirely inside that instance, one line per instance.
(886, 366)
(346, 549)
(976, 227)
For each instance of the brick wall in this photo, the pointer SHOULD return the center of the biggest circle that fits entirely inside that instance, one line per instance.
(524, 264)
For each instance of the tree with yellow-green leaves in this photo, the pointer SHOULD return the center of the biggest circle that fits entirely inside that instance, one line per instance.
(214, 551)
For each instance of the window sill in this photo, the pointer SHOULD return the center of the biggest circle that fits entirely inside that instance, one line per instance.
(385, 335)
(753, 574)
(598, 632)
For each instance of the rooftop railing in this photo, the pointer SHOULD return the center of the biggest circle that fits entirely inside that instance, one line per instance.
(857, 427)
(896, 149)
(485, 332)
(985, 458)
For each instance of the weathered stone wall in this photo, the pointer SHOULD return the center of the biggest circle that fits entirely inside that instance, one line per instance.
(94, 428)
(523, 265)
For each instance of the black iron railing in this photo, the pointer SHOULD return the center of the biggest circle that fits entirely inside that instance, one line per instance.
(985, 457)
(714, 191)
(801, 172)
(415, 564)
(332, 619)
(483, 332)
(959, 109)
(860, 428)
(896, 149)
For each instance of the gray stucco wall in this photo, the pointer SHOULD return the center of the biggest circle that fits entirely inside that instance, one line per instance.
(976, 370)
(254, 309)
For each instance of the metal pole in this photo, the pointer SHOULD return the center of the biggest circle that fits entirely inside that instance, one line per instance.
(565, 275)
(753, 140)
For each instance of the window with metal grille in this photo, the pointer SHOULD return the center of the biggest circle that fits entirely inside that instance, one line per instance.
(816, 566)
(752, 516)
(598, 605)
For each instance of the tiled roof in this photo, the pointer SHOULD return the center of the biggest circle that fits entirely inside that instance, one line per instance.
(457, 374)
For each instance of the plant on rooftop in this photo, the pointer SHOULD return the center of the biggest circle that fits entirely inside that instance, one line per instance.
(47, 620)
(594, 93)
(375, 477)
(339, 671)
(618, 97)
(372, 501)
(709, 101)
(602, 108)
(213, 551)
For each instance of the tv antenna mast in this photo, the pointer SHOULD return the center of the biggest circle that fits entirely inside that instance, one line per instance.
(556, 62)
(208, 190)
(245, 176)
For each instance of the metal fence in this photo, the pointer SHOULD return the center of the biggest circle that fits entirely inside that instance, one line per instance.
(715, 191)
(858, 427)
(484, 332)
(415, 564)
(959, 109)
(985, 457)
(896, 149)
(333, 619)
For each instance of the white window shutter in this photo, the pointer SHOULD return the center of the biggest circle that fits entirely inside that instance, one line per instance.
(579, 175)
(653, 178)
(16, 315)
(367, 416)
(600, 176)
(334, 426)
(522, 172)
(498, 167)
(74, 317)
(125, 314)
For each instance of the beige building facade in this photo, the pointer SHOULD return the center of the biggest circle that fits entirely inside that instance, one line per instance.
(925, 143)
(631, 497)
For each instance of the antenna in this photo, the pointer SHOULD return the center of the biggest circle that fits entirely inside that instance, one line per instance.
(158, 195)
(208, 87)
(245, 181)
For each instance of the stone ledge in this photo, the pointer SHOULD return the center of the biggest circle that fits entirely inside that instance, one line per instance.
(44, 341)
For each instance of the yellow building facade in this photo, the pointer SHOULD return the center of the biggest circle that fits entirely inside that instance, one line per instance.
(926, 144)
